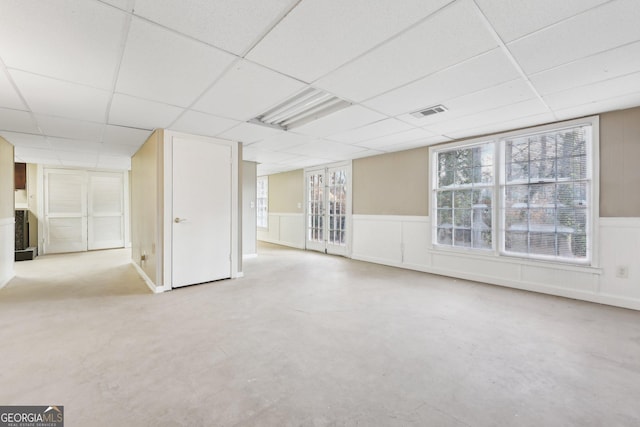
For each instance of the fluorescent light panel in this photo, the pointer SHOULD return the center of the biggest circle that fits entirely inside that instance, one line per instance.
(307, 105)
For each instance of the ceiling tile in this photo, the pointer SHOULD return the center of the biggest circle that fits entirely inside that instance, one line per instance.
(300, 162)
(377, 129)
(125, 135)
(603, 66)
(125, 5)
(73, 40)
(198, 123)
(62, 99)
(141, 113)
(514, 19)
(505, 125)
(118, 150)
(271, 169)
(282, 141)
(61, 144)
(114, 162)
(30, 153)
(8, 96)
(324, 26)
(416, 144)
(402, 137)
(607, 89)
(167, 67)
(611, 104)
(481, 72)
(248, 133)
(265, 156)
(17, 121)
(342, 120)
(503, 94)
(499, 116)
(247, 90)
(606, 27)
(26, 140)
(76, 159)
(233, 26)
(450, 36)
(325, 149)
(68, 128)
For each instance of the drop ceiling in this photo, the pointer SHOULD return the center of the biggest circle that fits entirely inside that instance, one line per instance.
(84, 82)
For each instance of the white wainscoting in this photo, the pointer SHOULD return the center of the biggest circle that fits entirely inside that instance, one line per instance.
(7, 247)
(285, 229)
(405, 241)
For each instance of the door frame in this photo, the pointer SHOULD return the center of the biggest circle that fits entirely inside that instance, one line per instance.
(349, 214)
(167, 204)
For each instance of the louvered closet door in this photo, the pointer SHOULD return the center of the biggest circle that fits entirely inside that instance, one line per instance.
(65, 201)
(105, 210)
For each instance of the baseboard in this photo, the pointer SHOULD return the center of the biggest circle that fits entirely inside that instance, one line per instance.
(6, 281)
(146, 279)
(282, 243)
(630, 303)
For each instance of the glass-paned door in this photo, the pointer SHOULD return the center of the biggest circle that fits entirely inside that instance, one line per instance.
(327, 209)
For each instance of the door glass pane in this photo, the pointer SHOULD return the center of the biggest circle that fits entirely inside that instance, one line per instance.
(337, 199)
(315, 211)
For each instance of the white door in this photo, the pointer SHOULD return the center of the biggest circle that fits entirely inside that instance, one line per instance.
(201, 246)
(65, 211)
(105, 219)
(328, 209)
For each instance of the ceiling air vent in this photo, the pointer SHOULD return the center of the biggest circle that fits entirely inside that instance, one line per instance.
(304, 107)
(429, 111)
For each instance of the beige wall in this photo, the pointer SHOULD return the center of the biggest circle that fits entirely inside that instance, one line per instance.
(7, 221)
(6, 180)
(619, 157)
(249, 208)
(392, 184)
(146, 210)
(286, 192)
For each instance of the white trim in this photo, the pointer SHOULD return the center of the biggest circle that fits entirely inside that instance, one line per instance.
(402, 218)
(289, 214)
(249, 256)
(402, 242)
(286, 229)
(325, 246)
(167, 218)
(155, 289)
(620, 222)
(6, 281)
(593, 228)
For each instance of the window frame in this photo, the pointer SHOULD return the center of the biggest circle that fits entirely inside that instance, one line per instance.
(497, 214)
(260, 225)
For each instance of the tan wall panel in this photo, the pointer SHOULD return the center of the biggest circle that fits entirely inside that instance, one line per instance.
(286, 192)
(619, 170)
(392, 184)
(7, 204)
(145, 202)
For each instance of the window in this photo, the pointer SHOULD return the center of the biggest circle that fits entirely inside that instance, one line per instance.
(525, 195)
(262, 201)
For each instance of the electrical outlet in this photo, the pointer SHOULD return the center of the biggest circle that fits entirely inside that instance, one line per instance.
(622, 271)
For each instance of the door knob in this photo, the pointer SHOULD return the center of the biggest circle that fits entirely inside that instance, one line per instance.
(178, 220)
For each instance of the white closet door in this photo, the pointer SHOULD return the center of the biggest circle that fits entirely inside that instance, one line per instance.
(105, 210)
(65, 211)
(201, 207)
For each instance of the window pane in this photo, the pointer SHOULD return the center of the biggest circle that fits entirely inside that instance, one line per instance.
(469, 172)
(549, 216)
